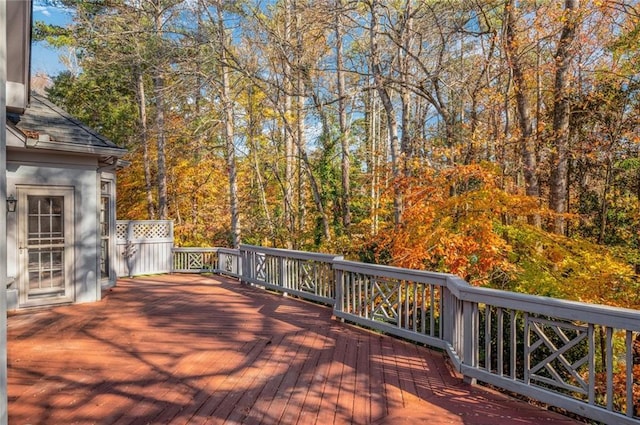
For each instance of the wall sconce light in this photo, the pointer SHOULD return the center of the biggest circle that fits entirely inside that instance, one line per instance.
(11, 203)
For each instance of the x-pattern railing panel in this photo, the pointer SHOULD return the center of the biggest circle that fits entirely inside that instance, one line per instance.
(229, 263)
(385, 300)
(194, 260)
(261, 266)
(308, 277)
(560, 351)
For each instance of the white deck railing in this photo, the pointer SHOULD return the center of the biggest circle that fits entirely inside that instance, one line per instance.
(304, 274)
(207, 260)
(195, 260)
(575, 356)
(580, 357)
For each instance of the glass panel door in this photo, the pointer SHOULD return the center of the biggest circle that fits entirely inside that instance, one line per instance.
(46, 246)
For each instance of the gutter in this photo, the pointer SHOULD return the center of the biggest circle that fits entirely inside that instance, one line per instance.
(44, 142)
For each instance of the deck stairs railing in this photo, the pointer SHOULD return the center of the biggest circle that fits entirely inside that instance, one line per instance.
(580, 357)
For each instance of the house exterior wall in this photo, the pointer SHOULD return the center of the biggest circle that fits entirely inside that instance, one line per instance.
(31, 168)
(3, 214)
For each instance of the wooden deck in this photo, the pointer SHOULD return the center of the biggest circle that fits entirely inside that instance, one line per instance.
(181, 349)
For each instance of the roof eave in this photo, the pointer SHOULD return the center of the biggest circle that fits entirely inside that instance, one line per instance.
(73, 148)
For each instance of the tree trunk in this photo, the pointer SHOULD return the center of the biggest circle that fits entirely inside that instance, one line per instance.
(561, 111)
(525, 122)
(163, 209)
(315, 191)
(252, 132)
(229, 135)
(371, 122)
(144, 136)
(392, 124)
(289, 146)
(405, 95)
(344, 130)
(158, 86)
(604, 205)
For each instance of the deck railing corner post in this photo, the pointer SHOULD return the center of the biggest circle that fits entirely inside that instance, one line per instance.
(446, 314)
(239, 265)
(243, 257)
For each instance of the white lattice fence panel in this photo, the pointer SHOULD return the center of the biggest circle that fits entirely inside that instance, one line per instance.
(122, 230)
(153, 230)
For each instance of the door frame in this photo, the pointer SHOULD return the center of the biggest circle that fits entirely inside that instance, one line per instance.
(68, 193)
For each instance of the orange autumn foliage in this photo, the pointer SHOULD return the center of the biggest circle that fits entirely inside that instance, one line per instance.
(448, 223)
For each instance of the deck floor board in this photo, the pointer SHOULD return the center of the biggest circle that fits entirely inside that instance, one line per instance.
(189, 349)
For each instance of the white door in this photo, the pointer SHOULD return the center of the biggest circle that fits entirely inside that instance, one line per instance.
(46, 244)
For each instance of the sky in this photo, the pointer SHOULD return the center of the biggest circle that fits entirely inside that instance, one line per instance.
(43, 57)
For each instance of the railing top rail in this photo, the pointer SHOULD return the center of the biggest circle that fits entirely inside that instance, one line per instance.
(621, 318)
(616, 317)
(421, 276)
(301, 255)
(194, 249)
(143, 221)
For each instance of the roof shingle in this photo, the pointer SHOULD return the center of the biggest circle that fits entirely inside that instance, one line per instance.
(43, 118)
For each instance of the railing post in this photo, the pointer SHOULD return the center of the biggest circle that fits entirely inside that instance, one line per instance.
(470, 337)
(283, 277)
(448, 316)
(239, 263)
(338, 282)
(243, 263)
(248, 266)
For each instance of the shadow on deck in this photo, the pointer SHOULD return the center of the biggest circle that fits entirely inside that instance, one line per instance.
(181, 349)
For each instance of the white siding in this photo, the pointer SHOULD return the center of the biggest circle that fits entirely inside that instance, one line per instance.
(3, 223)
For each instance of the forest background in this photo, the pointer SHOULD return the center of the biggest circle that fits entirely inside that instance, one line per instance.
(495, 139)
